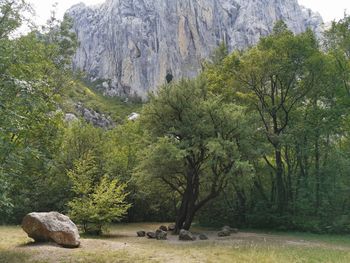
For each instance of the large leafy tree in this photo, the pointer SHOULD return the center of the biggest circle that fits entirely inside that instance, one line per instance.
(196, 144)
(32, 74)
(274, 77)
(298, 92)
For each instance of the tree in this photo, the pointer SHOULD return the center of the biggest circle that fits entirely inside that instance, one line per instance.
(99, 200)
(11, 16)
(295, 91)
(275, 77)
(196, 143)
(337, 42)
(32, 75)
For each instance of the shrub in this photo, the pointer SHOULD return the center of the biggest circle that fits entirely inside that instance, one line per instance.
(99, 200)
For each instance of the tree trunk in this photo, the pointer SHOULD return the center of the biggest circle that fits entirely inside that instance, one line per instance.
(318, 175)
(181, 216)
(281, 200)
(187, 204)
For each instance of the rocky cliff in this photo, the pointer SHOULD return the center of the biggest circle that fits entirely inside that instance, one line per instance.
(134, 45)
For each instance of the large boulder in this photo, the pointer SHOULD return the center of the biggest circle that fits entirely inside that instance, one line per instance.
(185, 235)
(51, 226)
(161, 235)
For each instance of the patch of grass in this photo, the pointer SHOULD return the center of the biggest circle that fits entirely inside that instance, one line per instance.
(12, 256)
(114, 107)
(335, 239)
(122, 245)
(10, 238)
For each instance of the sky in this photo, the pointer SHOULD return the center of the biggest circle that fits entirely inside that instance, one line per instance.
(329, 9)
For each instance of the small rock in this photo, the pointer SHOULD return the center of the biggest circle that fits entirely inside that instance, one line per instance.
(224, 233)
(133, 116)
(185, 235)
(151, 235)
(51, 226)
(171, 227)
(226, 228)
(95, 118)
(141, 233)
(230, 229)
(234, 230)
(164, 228)
(161, 235)
(203, 237)
(70, 117)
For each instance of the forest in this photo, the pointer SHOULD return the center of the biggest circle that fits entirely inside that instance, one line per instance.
(259, 140)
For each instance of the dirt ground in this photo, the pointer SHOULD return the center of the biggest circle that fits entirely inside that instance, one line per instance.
(121, 244)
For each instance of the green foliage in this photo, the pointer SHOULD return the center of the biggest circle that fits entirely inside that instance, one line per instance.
(99, 200)
(259, 139)
(11, 16)
(195, 150)
(299, 96)
(338, 36)
(91, 98)
(30, 124)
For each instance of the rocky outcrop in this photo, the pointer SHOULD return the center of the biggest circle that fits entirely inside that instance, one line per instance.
(136, 45)
(51, 226)
(95, 118)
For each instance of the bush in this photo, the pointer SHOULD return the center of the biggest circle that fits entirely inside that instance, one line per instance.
(98, 201)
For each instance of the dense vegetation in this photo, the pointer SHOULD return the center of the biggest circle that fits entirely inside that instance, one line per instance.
(259, 139)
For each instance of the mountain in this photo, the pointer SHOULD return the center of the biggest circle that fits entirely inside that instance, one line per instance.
(132, 46)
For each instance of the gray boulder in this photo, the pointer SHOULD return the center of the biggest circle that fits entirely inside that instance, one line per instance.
(185, 235)
(161, 235)
(230, 229)
(51, 226)
(70, 117)
(224, 233)
(95, 118)
(151, 235)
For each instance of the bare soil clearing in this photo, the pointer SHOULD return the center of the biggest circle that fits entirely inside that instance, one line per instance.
(123, 245)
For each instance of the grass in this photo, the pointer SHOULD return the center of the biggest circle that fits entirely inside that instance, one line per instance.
(331, 239)
(114, 107)
(121, 245)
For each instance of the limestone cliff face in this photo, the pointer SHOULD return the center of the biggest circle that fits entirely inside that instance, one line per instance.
(134, 44)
